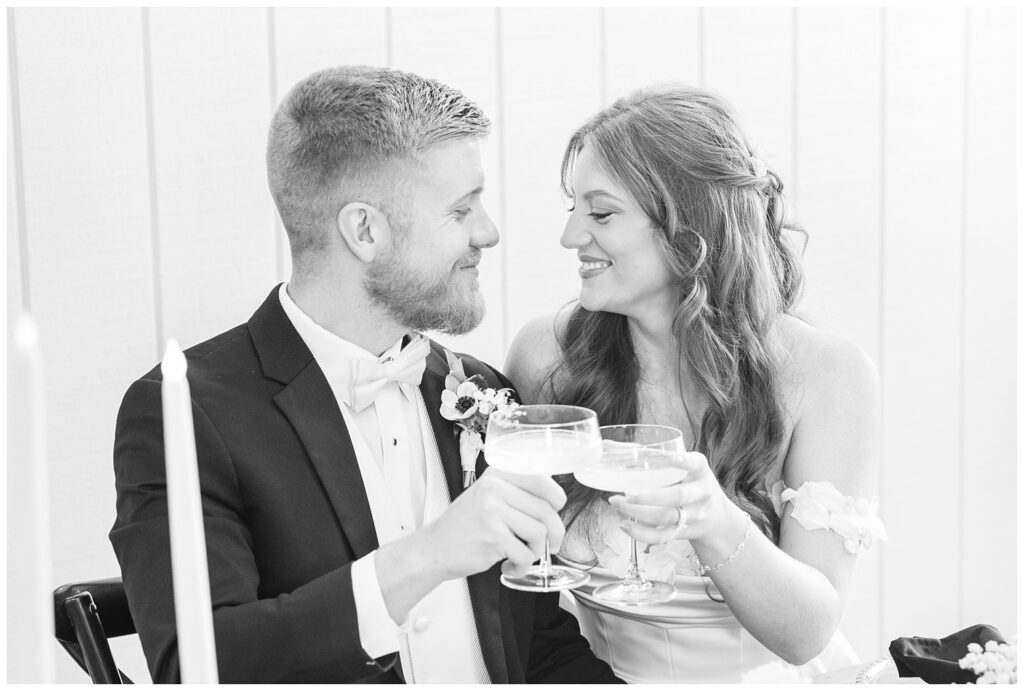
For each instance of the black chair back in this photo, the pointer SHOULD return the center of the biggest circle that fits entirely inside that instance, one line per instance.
(85, 616)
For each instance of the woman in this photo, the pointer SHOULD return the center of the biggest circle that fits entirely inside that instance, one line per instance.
(684, 319)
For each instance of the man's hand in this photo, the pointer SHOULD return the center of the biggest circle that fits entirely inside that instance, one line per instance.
(502, 517)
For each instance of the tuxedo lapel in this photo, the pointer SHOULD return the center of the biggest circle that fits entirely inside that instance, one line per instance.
(483, 593)
(483, 587)
(310, 406)
(444, 430)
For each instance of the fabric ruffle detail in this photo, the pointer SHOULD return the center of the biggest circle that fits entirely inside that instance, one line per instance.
(658, 562)
(820, 506)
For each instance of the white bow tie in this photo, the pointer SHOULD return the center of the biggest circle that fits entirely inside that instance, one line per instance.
(369, 377)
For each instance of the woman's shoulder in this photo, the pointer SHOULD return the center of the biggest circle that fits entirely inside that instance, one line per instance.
(831, 390)
(534, 353)
(816, 364)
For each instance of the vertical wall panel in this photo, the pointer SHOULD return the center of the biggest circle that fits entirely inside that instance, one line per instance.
(921, 349)
(14, 273)
(838, 108)
(552, 83)
(310, 39)
(748, 59)
(643, 45)
(989, 472)
(422, 41)
(90, 267)
(839, 77)
(89, 257)
(214, 223)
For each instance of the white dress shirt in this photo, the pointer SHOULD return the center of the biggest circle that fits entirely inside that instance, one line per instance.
(405, 488)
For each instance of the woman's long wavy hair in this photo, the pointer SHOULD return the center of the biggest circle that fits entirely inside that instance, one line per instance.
(719, 218)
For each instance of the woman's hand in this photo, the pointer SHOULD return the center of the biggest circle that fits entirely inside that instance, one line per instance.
(690, 510)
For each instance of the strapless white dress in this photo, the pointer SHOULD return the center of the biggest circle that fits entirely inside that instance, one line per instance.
(691, 638)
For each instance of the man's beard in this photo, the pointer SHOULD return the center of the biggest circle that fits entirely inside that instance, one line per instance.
(421, 302)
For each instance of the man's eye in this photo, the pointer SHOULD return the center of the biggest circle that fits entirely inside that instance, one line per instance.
(460, 214)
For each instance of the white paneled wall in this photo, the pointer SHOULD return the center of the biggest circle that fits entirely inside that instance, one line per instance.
(990, 194)
(138, 210)
(14, 223)
(748, 59)
(210, 95)
(923, 309)
(88, 247)
(551, 81)
(650, 44)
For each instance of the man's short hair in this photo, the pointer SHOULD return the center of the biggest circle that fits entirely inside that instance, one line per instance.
(338, 135)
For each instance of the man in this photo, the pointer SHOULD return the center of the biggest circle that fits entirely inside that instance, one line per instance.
(341, 543)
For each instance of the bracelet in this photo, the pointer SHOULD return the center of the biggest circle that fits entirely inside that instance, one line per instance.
(871, 669)
(705, 570)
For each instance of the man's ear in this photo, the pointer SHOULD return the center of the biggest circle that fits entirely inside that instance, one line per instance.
(363, 227)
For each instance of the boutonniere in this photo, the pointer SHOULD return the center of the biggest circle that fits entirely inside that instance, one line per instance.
(468, 402)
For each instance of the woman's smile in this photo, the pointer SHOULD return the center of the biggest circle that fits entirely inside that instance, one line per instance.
(592, 266)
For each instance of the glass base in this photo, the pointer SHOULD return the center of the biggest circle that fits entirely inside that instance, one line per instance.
(630, 594)
(557, 578)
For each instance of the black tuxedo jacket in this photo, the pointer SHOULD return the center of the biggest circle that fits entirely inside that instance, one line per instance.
(286, 515)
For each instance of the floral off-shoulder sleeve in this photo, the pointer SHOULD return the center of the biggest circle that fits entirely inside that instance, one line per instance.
(820, 506)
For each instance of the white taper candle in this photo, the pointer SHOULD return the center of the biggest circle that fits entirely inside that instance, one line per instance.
(197, 654)
(30, 641)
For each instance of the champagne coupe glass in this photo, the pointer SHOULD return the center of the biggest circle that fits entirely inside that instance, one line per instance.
(544, 440)
(635, 458)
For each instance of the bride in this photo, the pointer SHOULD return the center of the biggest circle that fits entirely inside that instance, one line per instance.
(685, 319)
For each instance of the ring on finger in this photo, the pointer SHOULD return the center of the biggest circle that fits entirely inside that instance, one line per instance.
(681, 523)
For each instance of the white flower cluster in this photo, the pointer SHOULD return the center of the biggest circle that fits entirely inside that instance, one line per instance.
(758, 167)
(819, 505)
(469, 404)
(995, 664)
(488, 400)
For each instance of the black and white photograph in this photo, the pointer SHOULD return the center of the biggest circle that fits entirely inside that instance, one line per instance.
(508, 344)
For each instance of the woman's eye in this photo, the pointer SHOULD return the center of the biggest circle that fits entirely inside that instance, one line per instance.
(600, 216)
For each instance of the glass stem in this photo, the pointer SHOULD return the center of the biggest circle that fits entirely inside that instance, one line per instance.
(545, 560)
(633, 575)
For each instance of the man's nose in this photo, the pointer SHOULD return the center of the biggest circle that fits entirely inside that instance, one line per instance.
(485, 234)
(575, 235)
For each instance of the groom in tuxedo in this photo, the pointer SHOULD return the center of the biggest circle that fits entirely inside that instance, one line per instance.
(342, 545)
